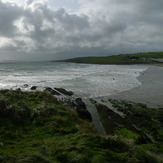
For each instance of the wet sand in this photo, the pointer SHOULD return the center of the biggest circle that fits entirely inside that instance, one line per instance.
(151, 90)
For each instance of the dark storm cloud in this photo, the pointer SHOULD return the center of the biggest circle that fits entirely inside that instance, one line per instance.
(100, 27)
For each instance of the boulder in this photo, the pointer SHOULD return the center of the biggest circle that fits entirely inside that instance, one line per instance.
(33, 87)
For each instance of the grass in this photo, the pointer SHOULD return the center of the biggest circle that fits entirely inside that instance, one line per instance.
(125, 133)
(35, 127)
(119, 59)
(148, 120)
(141, 125)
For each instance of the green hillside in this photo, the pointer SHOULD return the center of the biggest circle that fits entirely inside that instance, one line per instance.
(139, 58)
(36, 128)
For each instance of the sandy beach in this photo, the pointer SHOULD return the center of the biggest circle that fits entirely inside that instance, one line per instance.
(151, 90)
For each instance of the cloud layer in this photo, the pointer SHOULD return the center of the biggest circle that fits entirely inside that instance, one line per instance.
(38, 30)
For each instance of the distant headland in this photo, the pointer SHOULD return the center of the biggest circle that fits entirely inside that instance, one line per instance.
(137, 58)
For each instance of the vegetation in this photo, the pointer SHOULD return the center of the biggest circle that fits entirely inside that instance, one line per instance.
(35, 127)
(139, 58)
(140, 124)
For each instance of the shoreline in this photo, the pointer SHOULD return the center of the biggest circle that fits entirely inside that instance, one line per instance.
(150, 92)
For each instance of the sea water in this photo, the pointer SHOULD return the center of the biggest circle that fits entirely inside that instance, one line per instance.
(85, 80)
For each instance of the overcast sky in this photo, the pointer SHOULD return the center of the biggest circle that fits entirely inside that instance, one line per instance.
(57, 29)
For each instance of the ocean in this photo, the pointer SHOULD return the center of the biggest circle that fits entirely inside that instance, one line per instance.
(85, 80)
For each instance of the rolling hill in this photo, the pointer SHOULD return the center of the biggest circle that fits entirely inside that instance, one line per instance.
(138, 58)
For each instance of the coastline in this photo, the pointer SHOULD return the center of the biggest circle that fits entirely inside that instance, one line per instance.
(55, 125)
(150, 92)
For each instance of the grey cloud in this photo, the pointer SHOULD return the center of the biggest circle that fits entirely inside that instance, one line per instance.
(71, 21)
(28, 2)
(150, 6)
(8, 13)
(115, 27)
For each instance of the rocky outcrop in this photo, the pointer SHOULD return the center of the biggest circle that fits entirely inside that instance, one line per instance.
(52, 91)
(82, 110)
(58, 91)
(110, 119)
(64, 91)
(138, 118)
(80, 103)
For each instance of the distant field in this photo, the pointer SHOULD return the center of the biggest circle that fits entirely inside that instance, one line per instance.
(138, 58)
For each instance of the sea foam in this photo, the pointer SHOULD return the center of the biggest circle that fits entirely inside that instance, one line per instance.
(85, 80)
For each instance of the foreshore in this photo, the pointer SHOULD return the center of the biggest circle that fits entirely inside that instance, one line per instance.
(150, 92)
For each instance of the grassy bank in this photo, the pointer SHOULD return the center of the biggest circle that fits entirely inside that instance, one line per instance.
(36, 127)
(140, 58)
(139, 123)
